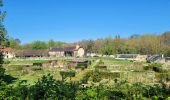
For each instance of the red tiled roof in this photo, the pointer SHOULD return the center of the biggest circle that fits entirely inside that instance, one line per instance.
(6, 49)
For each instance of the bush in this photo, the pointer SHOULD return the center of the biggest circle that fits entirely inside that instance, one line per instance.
(155, 67)
(82, 66)
(100, 63)
(164, 77)
(65, 74)
(101, 67)
(6, 62)
(47, 88)
(86, 77)
(18, 68)
(37, 64)
(36, 68)
(96, 76)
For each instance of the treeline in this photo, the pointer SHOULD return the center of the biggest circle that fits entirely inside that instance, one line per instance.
(16, 44)
(47, 88)
(138, 44)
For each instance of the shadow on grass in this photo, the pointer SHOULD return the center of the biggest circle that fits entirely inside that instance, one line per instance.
(9, 79)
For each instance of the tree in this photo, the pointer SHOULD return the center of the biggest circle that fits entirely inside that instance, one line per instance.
(39, 45)
(3, 38)
(51, 43)
(14, 43)
(166, 38)
(108, 49)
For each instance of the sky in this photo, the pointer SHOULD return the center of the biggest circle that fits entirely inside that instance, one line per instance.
(75, 20)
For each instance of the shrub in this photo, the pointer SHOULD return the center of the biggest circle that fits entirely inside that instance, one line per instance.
(155, 67)
(36, 68)
(82, 66)
(37, 64)
(6, 62)
(103, 67)
(65, 74)
(86, 77)
(100, 63)
(96, 76)
(18, 68)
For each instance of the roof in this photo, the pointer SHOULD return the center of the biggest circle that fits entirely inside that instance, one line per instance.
(70, 48)
(57, 49)
(32, 53)
(7, 49)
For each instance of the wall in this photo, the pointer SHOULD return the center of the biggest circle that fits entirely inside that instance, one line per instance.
(80, 52)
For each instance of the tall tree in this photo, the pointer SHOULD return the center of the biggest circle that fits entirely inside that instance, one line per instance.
(51, 43)
(14, 43)
(3, 38)
(39, 45)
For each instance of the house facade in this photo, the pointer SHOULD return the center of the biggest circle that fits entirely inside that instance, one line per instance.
(8, 52)
(72, 51)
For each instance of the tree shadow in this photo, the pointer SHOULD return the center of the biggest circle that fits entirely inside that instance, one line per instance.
(9, 79)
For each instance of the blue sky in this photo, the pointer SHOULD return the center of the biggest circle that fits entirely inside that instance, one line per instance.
(74, 20)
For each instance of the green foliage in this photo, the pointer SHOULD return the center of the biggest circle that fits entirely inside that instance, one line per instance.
(155, 67)
(101, 67)
(138, 44)
(167, 53)
(37, 64)
(86, 77)
(163, 77)
(36, 68)
(49, 88)
(18, 68)
(39, 45)
(80, 66)
(6, 62)
(100, 62)
(107, 50)
(96, 76)
(51, 43)
(14, 43)
(65, 74)
(3, 39)
(2, 71)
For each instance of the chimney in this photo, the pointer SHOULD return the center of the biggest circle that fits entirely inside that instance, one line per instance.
(77, 46)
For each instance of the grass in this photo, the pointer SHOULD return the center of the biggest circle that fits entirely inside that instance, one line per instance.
(21, 72)
(28, 73)
(25, 62)
(111, 61)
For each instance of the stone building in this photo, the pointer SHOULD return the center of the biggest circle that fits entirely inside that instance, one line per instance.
(8, 52)
(71, 51)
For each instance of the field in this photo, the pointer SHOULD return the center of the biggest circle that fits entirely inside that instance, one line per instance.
(129, 70)
(20, 71)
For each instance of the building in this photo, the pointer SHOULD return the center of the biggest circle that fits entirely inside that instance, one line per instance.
(32, 53)
(8, 52)
(71, 51)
